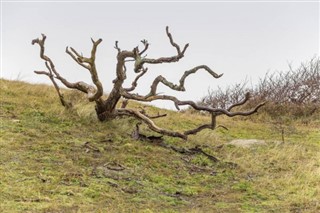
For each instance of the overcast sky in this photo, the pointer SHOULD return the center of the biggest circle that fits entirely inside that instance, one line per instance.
(242, 39)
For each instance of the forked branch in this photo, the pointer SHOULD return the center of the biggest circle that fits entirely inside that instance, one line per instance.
(107, 109)
(89, 64)
(141, 61)
(93, 94)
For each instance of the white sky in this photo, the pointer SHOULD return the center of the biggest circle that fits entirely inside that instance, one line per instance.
(242, 39)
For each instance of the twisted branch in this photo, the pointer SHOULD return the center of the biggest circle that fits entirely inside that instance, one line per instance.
(212, 126)
(141, 61)
(134, 84)
(107, 109)
(179, 87)
(149, 122)
(89, 64)
(53, 73)
(215, 112)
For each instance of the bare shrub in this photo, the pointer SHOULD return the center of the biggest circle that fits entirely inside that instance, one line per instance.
(295, 92)
(223, 98)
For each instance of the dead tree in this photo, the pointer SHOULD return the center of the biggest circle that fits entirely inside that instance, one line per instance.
(106, 108)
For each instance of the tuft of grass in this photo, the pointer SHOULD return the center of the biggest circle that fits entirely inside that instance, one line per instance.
(57, 160)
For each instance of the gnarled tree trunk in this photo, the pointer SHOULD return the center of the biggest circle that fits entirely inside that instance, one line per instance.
(106, 108)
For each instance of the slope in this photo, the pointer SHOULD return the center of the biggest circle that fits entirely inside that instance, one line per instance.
(53, 160)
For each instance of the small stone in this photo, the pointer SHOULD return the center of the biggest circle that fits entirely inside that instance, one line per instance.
(246, 143)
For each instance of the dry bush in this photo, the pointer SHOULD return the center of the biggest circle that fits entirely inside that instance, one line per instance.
(294, 92)
(223, 98)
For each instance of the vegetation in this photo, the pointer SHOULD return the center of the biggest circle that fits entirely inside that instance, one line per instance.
(107, 108)
(55, 160)
(294, 93)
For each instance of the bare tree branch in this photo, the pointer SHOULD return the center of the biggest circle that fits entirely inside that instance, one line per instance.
(174, 44)
(179, 87)
(146, 45)
(76, 59)
(212, 126)
(117, 47)
(56, 86)
(143, 111)
(135, 82)
(178, 103)
(89, 64)
(156, 116)
(149, 122)
(141, 61)
(247, 97)
(106, 108)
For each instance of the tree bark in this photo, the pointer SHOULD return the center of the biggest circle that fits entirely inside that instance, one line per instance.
(106, 108)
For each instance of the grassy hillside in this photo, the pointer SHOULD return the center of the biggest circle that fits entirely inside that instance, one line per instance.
(52, 160)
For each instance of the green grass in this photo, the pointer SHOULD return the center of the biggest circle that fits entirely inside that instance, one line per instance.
(47, 165)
